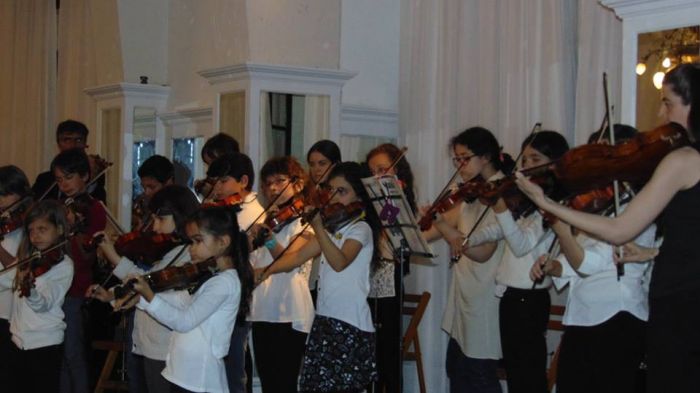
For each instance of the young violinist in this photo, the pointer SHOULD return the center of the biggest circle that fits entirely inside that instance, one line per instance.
(71, 170)
(203, 321)
(282, 310)
(320, 158)
(605, 318)
(674, 189)
(471, 314)
(235, 176)
(524, 308)
(385, 281)
(340, 351)
(155, 173)
(171, 206)
(15, 197)
(218, 145)
(70, 134)
(39, 289)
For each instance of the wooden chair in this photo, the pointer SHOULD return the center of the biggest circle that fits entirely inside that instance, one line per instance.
(553, 324)
(113, 349)
(414, 306)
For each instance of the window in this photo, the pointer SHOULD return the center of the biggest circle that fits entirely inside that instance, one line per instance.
(142, 151)
(185, 153)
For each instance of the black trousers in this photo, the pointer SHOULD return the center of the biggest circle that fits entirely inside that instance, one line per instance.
(35, 370)
(673, 343)
(278, 353)
(604, 358)
(523, 323)
(6, 346)
(386, 314)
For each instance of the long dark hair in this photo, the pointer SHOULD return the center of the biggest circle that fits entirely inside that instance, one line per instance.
(221, 221)
(54, 212)
(353, 173)
(402, 169)
(482, 143)
(550, 143)
(176, 200)
(327, 148)
(684, 80)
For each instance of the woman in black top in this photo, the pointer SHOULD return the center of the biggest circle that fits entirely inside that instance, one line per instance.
(673, 344)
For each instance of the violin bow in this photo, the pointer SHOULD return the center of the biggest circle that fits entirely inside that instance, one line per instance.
(35, 255)
(535, 130)
(134, 294)
(616, 186)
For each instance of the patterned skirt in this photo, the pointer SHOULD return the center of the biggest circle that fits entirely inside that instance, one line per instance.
(338, 356)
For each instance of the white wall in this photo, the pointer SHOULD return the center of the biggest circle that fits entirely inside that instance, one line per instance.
(143, 28)
(370, 47)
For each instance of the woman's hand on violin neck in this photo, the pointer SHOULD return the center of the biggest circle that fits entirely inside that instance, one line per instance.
(260, 275)
(531, 190)
(107, 248)
(99, 293)
(141, 286)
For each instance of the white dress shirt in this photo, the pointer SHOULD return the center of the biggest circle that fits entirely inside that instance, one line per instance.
(37, 320)
(150, 338)
(284, 297)
(595, 293)
(202, 325)
(343, 295)
(526, 240)
(10, 243)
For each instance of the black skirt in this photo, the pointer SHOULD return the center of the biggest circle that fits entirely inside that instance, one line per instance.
(338, 356)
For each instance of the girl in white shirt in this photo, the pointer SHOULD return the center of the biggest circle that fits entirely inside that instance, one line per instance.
(172, 205)
(605, 318)
(235, 178)
(471, 312)
(340, 351)
(36, 323)
(524, 305)
(203, 321)
(15, 194)
(282, 310)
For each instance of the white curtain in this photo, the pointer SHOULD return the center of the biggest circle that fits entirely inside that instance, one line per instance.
(504, 65)
(317, 112)
(599, 50)
(27, 83)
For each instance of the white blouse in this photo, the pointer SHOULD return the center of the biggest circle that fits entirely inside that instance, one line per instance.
(202, 325)
(595, 293)
(37, 320)
(10, 243)
(471, 312)
(526, 240)
(150, 338)
(343, 295)
(284, 297)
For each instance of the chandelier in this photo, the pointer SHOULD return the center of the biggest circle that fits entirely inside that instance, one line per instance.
(669, 48)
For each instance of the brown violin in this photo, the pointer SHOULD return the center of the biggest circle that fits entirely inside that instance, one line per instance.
(174, 277)
(231, 200)
(12, 218)
(145, 248)
(38, 264)
(336, 215)
(466, 192)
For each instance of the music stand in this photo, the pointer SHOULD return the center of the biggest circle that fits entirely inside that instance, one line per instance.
(402, 232)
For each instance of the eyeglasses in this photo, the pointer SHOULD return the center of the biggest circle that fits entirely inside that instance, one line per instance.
(340, 191)
(280, 181)
(459, 160)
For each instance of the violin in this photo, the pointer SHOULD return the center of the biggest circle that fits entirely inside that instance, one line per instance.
(593, 201)
(287, 213)
(204, 186)
(145, 248)
(12, 218)
(231, 200)
(38, 263)
(185, 276)
(336, 215)
(466, 192)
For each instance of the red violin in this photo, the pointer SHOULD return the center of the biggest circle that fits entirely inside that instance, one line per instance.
(38, 264)
(145, 248)
(232, 200)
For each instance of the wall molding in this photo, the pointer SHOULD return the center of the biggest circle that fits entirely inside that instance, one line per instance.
(366, 120)
(286, 73)
(631, 8)
(126, 89)
(194, 115)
